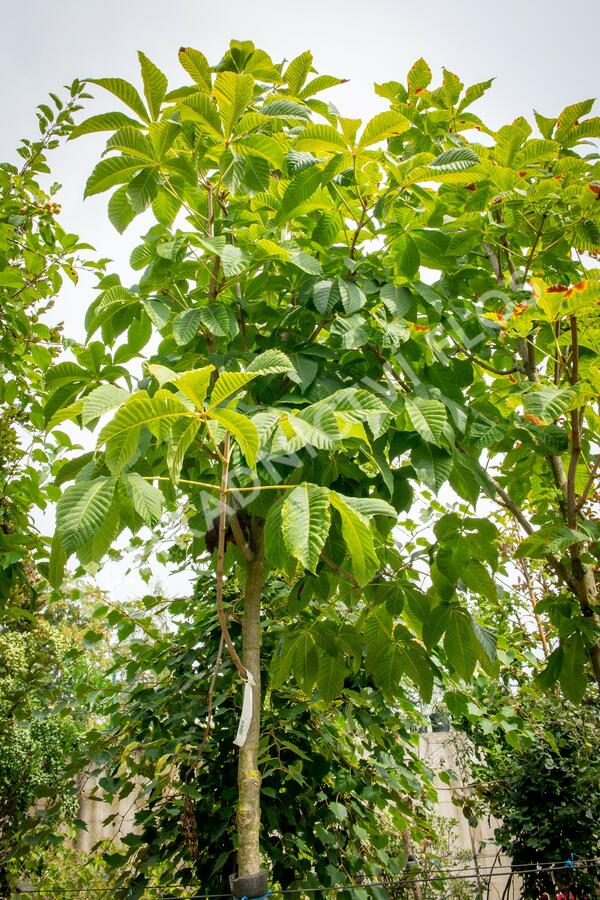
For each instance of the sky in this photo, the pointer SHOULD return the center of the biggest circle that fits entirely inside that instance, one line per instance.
(542, 55)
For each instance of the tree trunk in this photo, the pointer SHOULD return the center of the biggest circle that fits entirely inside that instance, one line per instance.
(248, 815)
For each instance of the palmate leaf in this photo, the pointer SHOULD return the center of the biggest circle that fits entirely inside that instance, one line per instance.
(300, 188)
(427, 417)
(233, 93)
(330, 676)
(185, 326)
(382, 126)
(432, 465)
(121, 434)
(297, 71)
(146, 499)
(271, 362)
(321, 139)
(101, 400)
(112, 171)
(142, 189)
(181, 439)
(549, 403)
(108, 304)
(570, 115)
(315, 426)
(419, 77)
(459, 643)
(243, 430)
(131, 142)
(229, 383)
(202, 109)
(262, 145)
(415, 664)
(155, 84)
(305, 522)
(91, 553)
(196, 65)
(81, 511)
(120, 211)
(111, 121)
(357, 536)
(125, 92)
(455, 160)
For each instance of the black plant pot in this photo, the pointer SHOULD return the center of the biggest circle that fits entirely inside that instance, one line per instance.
(249, 886)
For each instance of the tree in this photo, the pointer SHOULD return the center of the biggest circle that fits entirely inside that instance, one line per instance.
(40, 664)
(341, 780)
(542, 786)
(306, 379)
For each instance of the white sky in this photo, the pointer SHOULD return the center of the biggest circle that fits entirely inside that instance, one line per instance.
(541, 53)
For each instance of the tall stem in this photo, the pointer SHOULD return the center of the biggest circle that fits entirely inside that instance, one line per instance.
(248, 815)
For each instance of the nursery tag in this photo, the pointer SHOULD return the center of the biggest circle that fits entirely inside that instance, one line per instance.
(246, 717)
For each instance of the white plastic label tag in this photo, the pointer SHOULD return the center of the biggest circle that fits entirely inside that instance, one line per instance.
(246, 716)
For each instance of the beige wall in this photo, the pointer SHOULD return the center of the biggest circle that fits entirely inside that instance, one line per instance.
(441, 752)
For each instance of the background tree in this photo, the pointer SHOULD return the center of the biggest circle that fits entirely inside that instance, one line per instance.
(281, 223)
(41, 668)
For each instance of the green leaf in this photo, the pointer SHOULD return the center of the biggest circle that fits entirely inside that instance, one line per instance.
(201, 108)
(297, 71)
(306, 263)
(101, 400)
(181, 439)
(570, 115)
(196, 65)
(306, 518)
(147, 500)
(81, 510)
(407, 256)
(432, 465)
(427, 417)
(185, 325)
(316, 426)
(300, 188)
(382, 126)
(572, 676)
(330, 676)
(261, 145)
(112, 171)
(121, 434)
(233, 260)
(142, 189)
(459, 643)
(358, 539)
(233, 93)
(194, 384)
(549, 539)
(243, 430)
(474, 92)
(229, 383)
(111, 121)
(548, 403)
(419, 77)
(125, 92)
(321, 139)
(120, 211)
(91, 553)
(113, 301)
(131, 142)
(271, 362)
(485, 647)
(305, 661)
(455, 160)
(155, 84)
(219, 319)
(415, 663)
